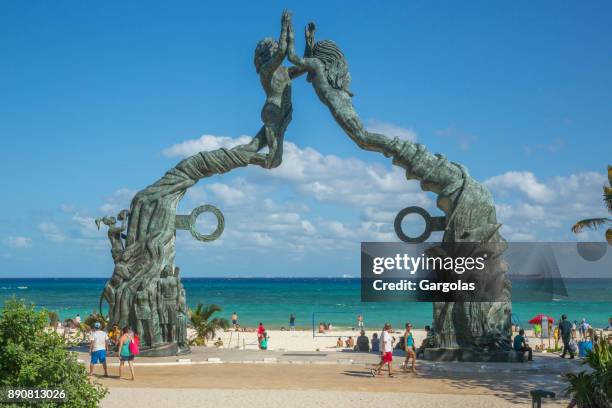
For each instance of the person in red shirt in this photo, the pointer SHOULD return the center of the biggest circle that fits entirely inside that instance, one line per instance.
(260, 331)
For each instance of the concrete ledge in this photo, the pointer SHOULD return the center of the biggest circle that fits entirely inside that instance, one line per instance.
(270, 360)
(467, 355)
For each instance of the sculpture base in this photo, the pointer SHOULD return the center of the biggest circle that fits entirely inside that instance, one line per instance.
(468, 355)
(163, 350)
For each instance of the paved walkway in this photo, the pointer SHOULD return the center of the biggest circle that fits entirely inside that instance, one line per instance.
(543, 363)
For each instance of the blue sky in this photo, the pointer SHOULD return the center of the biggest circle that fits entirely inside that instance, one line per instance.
(99, 99)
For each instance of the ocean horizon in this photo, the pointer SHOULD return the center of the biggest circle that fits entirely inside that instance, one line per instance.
(272, 300)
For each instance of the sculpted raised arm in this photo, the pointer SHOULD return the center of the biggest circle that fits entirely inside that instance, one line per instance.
(304, 64)
(276, 59)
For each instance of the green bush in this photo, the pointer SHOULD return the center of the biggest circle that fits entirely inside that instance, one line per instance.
(89, 321)
(593, 389)
(53, 319)
(204, 325)
(35, 358)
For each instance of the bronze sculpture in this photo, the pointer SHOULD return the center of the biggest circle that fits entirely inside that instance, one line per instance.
(145, 273)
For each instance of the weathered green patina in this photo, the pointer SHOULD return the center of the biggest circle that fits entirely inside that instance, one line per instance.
(145, 290)
(467, 204)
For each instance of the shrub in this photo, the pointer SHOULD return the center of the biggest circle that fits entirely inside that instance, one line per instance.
(204, 325)
(89, 321)
(53, 318)
(593, 389)
(32, 357)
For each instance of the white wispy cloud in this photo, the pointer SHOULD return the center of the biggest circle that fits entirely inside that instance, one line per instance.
(18, 242)
(391, 130)
(119, 200)
(204, 143)
(523, 181)
(51, 231)
(546, 210)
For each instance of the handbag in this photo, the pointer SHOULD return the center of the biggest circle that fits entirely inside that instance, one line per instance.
(134, 349)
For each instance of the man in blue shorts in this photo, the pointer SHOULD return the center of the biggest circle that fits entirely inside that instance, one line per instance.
(97, 348)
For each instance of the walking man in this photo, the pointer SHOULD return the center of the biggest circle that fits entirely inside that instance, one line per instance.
(386, 355)
(565, 330)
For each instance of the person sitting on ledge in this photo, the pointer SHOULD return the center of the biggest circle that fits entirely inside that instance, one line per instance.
(363, 343)
(427, 342)
(219, 342)
(520, 344)
(339, 343)
(375, 343)
(350, 342)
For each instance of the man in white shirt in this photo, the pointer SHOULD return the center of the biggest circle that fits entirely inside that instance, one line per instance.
(386, 353)
(98, 340)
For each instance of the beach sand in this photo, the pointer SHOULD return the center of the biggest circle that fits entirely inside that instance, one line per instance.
(232, 385)
(302, 340)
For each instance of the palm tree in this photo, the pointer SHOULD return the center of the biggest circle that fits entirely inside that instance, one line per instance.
(595, 223)
(204, 326)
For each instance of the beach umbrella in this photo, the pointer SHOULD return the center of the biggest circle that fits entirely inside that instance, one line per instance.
(538, 319)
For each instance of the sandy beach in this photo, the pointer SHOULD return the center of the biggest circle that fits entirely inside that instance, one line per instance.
(303, 340)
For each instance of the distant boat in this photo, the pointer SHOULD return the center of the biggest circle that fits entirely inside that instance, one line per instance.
(22, 287)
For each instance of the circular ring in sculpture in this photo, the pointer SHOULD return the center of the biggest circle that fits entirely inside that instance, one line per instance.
(220, 222)
(413, 210)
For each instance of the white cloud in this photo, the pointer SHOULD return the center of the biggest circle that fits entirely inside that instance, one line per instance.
(523, 181)
(529, 216)
(255, 220)
(119, 200)
(227, 194)
(18, 242)
(204, 143)
(51, 231)
(391, 130)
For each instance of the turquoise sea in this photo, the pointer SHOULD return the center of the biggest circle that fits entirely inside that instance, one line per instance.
(331, 300)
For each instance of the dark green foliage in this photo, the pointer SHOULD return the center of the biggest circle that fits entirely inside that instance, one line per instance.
(204, 325)
(53, 318)
(92, 318)
(31, 356)
(593, 389)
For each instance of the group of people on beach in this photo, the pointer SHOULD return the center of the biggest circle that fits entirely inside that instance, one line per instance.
(575, 337)
(125, 342)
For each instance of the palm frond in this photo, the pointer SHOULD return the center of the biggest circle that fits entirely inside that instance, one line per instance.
(210, 310)
(610, 174)
(607, 197)
(204, 326)
(591, 223)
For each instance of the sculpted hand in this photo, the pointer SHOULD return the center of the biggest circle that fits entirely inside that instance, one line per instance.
(309, 34)
(286, 18)
(309, 30)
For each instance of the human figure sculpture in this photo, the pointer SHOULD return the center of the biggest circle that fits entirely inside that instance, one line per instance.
(144, 317)
(168, 289)
(151, 233)
(183, 315)
(143, 262)
(468, 205)
(115, 232)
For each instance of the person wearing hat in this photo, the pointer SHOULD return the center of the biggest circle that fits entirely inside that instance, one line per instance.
(98, 341)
